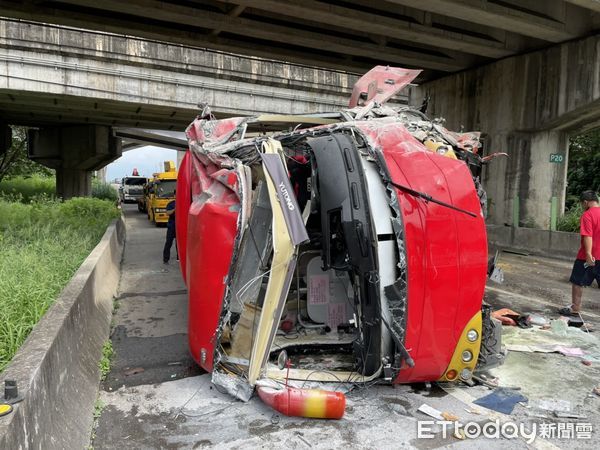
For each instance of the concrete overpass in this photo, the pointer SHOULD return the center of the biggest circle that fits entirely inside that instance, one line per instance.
(441, 36)
(52, 75)
(76, 85)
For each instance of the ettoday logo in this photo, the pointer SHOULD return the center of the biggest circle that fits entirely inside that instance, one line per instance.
(506, 430)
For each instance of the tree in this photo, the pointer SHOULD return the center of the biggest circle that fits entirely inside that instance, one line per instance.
(14, 162)
(584, 165)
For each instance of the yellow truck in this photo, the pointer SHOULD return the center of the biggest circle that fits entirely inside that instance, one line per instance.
(159, 191)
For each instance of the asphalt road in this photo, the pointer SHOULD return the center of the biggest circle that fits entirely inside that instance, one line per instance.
(156, 397)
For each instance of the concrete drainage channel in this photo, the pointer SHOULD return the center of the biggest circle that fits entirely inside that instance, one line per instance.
(56, 369)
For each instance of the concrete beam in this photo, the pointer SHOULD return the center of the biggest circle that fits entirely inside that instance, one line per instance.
(235, 25)
(63, 110)
(135, 52)
(184, 37)
(554, 88)
(495, 15)
(74, 147)
(190, 16)
(90, 78)
(593, 5)
(73, 183)
(63, 75)
(74, 152)
(381, 25)
(235, 12)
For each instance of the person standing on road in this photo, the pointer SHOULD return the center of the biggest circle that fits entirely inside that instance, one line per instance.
(170, 233)
(585, 269)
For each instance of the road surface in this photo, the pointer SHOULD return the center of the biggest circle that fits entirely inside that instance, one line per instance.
(156, 397)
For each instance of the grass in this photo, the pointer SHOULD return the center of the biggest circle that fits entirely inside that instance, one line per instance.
(31, 188)
(98, 408)
(42, 244)
(104, 191)
(570, 220)
(26, 189)
(105, 360)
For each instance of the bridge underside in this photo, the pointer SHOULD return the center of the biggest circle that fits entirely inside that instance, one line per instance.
(441, 36)
(43, 109)
(54, 75)
(76, 86)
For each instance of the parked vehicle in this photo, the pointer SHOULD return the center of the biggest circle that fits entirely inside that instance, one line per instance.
(143, 200)
(158, 192)
(131, 189)
(346, 239)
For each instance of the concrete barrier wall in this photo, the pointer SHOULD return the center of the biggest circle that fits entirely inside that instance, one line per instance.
(540, 242)
(57, 367)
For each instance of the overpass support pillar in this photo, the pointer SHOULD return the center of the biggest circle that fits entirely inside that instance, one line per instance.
(73, 183)
(74, 151)
(527, 189)
(526, 106)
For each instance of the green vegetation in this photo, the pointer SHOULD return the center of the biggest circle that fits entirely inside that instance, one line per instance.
(105, 360)
(583, 174)
(584, 166)
(570, 220)
(14, 162)
(43, 243)
(35, 187)
(104, 191)
(98, 408)
(28, 188)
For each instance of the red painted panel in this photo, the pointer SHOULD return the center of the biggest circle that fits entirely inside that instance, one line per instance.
(182, 208)
(380, 83)
(446, 249)
(212, 228)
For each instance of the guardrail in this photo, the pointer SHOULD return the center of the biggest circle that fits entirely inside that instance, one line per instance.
(541, 242)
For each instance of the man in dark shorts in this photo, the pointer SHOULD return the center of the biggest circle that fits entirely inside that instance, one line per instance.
(170, 233)
(585, 269)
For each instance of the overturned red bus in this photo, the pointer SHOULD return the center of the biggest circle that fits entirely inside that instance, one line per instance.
(355, 241)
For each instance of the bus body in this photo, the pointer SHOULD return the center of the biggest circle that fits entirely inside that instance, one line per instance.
(347, 239)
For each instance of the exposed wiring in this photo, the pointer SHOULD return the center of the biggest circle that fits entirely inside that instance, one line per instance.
(320, 371)
(180, 409)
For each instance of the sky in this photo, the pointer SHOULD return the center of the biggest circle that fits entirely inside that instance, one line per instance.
(146, 160)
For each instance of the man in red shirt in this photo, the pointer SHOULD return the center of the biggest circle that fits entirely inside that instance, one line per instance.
(585, 269)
